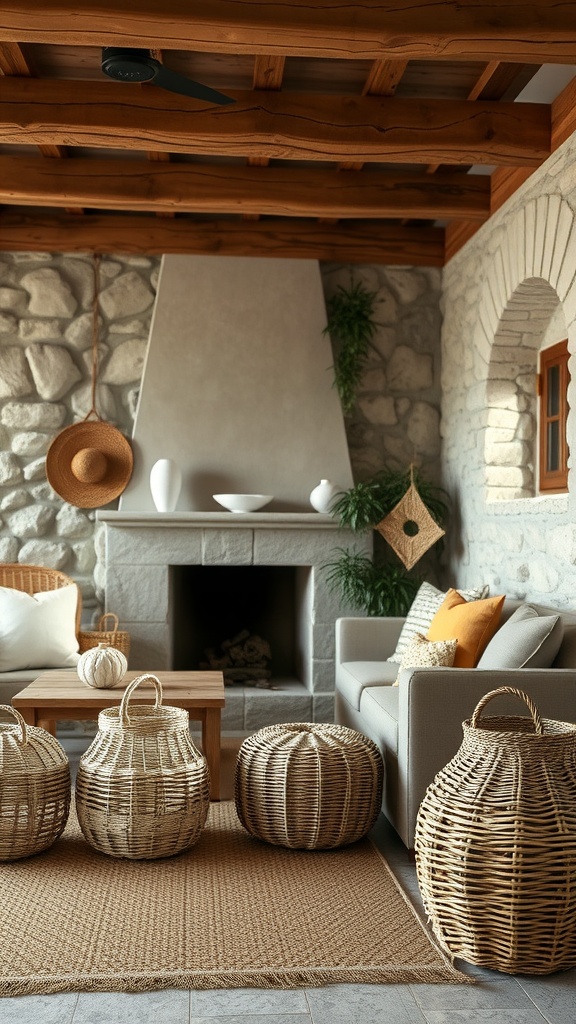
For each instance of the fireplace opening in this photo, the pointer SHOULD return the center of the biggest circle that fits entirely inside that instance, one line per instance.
(256, 608)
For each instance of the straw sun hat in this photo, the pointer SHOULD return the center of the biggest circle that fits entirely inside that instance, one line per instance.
(89, 463)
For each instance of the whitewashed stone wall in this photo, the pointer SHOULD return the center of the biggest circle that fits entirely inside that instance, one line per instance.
(397, 417)
(508, 292)
(45, 384)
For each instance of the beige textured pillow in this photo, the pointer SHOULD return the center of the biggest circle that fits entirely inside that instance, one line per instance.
(423, 653)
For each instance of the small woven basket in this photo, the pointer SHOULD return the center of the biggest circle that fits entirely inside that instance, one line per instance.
(496, 844)
(114, 637)
(34, 788)
(142, 789)
(308, 786)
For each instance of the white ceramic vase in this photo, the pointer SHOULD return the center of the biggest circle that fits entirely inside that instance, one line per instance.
(165, 484)
(324, 495)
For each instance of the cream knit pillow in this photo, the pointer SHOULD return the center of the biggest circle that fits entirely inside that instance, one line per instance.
(423, 653)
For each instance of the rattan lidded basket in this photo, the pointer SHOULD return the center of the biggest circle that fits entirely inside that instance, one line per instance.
(308, 785)
(34, 788)
(496, 843)
(142, 789)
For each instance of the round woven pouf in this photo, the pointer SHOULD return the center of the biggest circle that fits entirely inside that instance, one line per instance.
(308, 786)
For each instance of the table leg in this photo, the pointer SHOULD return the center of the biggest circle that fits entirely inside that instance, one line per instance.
(49, 724)
(28, 714)
(211, 748)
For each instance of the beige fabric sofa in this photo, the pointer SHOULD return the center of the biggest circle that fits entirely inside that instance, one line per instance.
(418, 724)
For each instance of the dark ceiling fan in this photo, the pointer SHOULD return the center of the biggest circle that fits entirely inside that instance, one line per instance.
(130, 65)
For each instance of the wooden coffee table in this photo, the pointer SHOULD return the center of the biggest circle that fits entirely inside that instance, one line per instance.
(60, 694)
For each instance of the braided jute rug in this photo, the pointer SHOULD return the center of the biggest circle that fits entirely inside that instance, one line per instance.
(231, 912)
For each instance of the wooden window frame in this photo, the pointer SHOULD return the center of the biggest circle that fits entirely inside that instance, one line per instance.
(555, 481)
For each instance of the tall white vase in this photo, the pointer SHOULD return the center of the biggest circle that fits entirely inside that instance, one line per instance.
(324, 495)
(165, 484)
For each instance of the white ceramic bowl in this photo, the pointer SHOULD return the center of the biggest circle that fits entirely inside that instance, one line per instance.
(243, 502)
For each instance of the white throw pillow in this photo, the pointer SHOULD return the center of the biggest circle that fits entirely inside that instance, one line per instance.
(422, 611)
(39, 630)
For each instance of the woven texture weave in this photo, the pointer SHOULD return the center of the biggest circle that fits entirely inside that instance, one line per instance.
(496, 844)
(34, 788)
(308, 786)
(229, 913)
(142, 789)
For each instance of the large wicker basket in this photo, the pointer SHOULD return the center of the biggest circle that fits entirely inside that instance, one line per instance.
(496, 844)
(34, 788)
(142, 789)
(308, 786)
(114, 637)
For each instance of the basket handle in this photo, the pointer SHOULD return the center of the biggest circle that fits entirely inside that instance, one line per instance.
(536, 717)
(23, 738)
(102, 623)
(147, 677)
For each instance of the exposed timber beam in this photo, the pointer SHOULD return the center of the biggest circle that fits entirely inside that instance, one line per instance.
(216, 189)
(274, 124)
(349, 242)
(541, 31)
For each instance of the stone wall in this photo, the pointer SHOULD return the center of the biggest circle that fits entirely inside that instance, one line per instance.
(45, 373)
(509, 292)
(397, 416)
(45, 384)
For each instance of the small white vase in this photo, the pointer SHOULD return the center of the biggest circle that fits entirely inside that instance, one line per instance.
(324, 495)
(165, 484)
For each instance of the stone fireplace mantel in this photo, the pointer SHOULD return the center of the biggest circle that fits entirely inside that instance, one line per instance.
(141, 550)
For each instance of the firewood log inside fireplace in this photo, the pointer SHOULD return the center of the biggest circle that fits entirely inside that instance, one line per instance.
(243, 659)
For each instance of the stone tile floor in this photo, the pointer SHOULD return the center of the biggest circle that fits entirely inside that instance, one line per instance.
(494, 999)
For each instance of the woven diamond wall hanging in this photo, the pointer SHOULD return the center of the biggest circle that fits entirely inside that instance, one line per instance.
(409, 528)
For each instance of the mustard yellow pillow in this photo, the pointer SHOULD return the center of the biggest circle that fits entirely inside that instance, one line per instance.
(473, 623)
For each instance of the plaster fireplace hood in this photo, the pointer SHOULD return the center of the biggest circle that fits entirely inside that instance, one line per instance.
(237, 384)
(237, 389)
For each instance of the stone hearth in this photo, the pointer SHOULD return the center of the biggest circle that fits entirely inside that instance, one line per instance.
(142, 547)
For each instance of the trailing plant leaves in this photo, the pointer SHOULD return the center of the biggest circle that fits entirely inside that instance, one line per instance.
(350, 324)
(374, 589)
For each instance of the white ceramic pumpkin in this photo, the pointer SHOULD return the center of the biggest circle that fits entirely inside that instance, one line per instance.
(102, 667)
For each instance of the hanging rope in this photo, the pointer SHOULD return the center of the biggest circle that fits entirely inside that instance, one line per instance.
(95, 333)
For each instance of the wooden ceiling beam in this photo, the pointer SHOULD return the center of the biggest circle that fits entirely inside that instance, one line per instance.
(541, 31)
(234, 189)
(274, 124)
(348, 242)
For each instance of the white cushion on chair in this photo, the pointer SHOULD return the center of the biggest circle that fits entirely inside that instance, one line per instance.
(39, 630)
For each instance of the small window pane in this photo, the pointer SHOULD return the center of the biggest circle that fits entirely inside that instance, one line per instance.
(553, 390)
(553, 447)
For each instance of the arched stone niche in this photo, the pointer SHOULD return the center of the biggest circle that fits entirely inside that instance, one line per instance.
(510, 444)
(532, 270)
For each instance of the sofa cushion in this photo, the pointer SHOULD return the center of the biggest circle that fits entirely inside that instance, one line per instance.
(355, 676)
(526, 640)
(423, 653)
(473, 623)
(379, 709)
(38, 630)
(422, 611)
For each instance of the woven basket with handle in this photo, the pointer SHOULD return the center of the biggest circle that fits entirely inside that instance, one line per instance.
(34, 788)
(496, 843)
(142, 789)
(114, 637)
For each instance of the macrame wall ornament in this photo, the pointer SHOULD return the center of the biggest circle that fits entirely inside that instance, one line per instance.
(409, 528)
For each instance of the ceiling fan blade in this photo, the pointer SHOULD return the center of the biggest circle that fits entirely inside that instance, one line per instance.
(175, 82)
